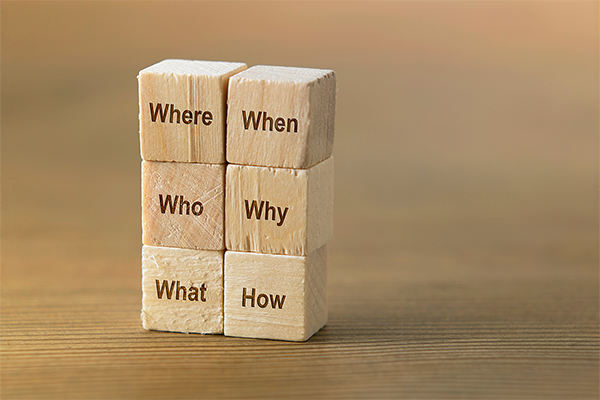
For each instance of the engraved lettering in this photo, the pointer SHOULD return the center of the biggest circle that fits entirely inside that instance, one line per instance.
(179, 288)
(253, 208)
(262, 300)
(262, 304)
(159, 110)
(182, 203)
(175, 111)
(161, 289)
(289, 124)
(270, 208)
(181, 292)
(280, 124)
(168, 202)
(276, 302)
(265, 119)
(197, 208)
(248, 297)
(193, 293)
(282, 216)
(253, 119)
(207, 118)
(188, 117)
(202, 290)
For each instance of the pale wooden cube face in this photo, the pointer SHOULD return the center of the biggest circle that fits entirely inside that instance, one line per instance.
(274, 296)
(182, 110)
(277, 210)
(182, 290)
(183, 205)
(280, 116)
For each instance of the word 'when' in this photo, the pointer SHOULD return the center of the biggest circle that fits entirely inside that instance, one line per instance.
(279, 123)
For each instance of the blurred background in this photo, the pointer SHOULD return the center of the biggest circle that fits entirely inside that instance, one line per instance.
(463, 128)
(466, 145)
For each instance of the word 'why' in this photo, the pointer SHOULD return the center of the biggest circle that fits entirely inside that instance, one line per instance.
(253, 208)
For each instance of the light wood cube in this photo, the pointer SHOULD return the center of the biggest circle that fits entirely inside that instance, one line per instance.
(274, 296)
(183, 205)
(278, 210)
(281, 116)
(182, 290)
(182, 110)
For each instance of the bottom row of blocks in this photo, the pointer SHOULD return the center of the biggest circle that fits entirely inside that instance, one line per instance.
(239, 294)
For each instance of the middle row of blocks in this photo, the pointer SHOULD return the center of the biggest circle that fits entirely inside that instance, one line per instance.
(235, 207)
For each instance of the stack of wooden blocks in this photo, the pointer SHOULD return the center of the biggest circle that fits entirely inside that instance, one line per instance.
(236, 243)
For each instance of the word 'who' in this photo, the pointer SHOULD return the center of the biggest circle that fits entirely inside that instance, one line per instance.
(171, 204)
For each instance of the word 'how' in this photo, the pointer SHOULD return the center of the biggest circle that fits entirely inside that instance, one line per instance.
(279, 123)
(254, 208)
(262, 300)
(196, 206)
(192, 292)
(187, 116)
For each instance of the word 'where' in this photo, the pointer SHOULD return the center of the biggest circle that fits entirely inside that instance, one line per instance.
(185, 116)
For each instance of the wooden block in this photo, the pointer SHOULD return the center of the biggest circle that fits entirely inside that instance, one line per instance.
(278, 210)
(183, 205)
(275, 297)
(182, 290)
(281, 116)
(182, 110)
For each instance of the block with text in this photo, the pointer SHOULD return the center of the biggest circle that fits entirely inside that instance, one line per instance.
(182, 290)
(279, 210)
(274, 296)
(183, 205)
(182, 110)
(281, 116)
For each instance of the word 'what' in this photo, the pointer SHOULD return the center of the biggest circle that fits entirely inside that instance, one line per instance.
(191, 293)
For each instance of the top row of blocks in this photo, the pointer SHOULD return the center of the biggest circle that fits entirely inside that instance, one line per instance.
(277, 116)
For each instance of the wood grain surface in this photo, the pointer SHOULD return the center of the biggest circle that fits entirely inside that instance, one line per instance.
(183, 109)
(464, 259)
(281, 116)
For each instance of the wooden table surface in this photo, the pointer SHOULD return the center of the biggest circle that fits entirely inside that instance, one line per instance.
(464, 262)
